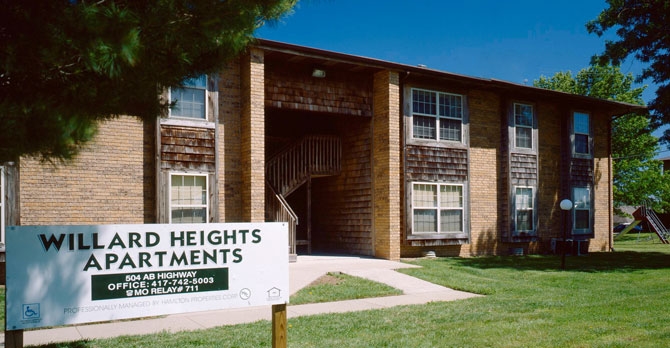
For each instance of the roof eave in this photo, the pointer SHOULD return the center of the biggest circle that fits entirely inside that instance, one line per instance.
(615, 108)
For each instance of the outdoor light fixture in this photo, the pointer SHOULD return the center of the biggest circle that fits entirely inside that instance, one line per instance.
(318, 73)
(566, 206)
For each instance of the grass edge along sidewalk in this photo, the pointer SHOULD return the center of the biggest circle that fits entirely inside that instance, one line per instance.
(616, 299)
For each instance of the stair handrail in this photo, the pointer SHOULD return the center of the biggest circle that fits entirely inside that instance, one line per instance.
(278, 210)
(653, 219)
(311, 155)
(651, 215)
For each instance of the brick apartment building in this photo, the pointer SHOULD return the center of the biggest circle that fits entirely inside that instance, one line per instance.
(362, 156)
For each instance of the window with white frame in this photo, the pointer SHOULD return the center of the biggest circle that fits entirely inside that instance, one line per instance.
(437, 115)
(581, 198)
(581, 126)
(523, 125)
(524, 210)
(190, 98)
(437, 208)
(189, 201)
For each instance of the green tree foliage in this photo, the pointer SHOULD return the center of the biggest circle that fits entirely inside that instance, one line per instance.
(65, 65)
(637, 175)
(643, 28)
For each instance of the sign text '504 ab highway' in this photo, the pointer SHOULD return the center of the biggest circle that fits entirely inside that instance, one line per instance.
(59, 275)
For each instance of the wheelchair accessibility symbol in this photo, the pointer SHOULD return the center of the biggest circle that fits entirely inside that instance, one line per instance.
(31, 311)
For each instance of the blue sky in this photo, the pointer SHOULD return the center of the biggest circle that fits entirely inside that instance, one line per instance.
(512, 40)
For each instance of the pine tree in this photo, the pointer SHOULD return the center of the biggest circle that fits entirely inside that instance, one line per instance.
(65, 65)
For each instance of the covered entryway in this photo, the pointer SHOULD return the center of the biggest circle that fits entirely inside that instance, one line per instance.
(332, 159)
(318, 174)
(292, 170)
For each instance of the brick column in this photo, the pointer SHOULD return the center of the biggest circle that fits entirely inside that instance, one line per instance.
(602, 184)
(253, 136)
(386, 165)
(228, 143)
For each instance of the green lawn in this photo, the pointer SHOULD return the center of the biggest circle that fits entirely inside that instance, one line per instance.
(618, 299)
(339, 287)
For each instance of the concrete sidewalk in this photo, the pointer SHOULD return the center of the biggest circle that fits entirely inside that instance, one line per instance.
(301, 274)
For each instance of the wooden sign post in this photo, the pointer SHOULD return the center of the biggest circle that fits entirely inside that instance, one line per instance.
(279, 326)
(14, 339)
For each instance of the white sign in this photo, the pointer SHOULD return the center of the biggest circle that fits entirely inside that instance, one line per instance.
(60, 275)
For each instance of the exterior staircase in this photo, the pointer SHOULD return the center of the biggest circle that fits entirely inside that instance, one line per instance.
(645, 213)
(310, 157)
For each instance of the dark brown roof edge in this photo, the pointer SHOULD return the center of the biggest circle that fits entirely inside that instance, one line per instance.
(618, 108)
(349, 58)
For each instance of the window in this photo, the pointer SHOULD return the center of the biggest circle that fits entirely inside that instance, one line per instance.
(188, 198)
(523, 125)
(189, 98)
(437, 208)
(437, 116)
(523, 210)
(582, 131)
(581, 198)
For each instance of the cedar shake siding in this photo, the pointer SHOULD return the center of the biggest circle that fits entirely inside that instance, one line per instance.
(342, 216)
(187, 148)
(290, 86)
(425, 163)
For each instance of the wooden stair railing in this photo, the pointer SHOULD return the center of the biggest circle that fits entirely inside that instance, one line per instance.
(311, 156)
(278, 210)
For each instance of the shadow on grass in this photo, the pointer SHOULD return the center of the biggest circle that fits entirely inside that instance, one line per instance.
(621, 261)
(75, 344)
